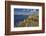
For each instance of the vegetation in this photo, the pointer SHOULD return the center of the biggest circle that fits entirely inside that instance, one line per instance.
(30, 21)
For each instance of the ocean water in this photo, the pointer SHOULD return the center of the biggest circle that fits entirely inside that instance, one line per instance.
(18, 18)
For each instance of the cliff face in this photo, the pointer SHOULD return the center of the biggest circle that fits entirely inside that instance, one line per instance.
(30, 21)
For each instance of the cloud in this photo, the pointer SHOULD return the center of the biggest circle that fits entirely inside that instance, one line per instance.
(21, 11)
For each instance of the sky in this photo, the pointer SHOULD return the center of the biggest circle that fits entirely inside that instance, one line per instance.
(23, 11)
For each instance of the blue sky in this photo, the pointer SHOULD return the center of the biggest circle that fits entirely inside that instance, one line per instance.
(23, 11)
